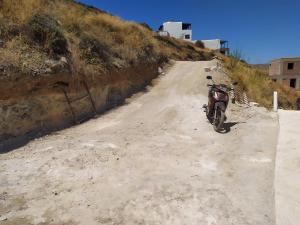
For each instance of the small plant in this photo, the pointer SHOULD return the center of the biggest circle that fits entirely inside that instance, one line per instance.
(146, 26)
(47, 32)
(92, 48)
(200, 44)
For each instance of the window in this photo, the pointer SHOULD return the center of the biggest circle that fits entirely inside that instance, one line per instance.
(186, 26)
(187, 36)
(290, 66)
(293, 83)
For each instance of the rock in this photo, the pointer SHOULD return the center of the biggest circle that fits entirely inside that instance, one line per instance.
(63, 60)
(35, 72)
(53, 65)
(57, 66)
(50, 62)
(3, 219)
(254, 104)
(160, 70)
(48, 70)
(298, 103)
(6, 68)
(2, 68)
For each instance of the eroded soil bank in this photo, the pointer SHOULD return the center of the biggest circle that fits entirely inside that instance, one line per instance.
(38, 106)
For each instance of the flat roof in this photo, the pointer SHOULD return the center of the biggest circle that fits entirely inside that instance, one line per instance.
(177, 22)
(286, 59)
(222, 41)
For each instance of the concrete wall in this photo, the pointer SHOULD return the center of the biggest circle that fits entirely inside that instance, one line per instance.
(286, 80)
(293, 72)
(275, 68)
(280, 67)
(287, 171)
(175, 30)
(279, 70)
(212, 44)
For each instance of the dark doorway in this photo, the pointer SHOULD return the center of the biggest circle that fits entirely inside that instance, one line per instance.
(293, 83)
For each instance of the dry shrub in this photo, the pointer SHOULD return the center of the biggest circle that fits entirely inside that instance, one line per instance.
(258, 86)
(46, 31)
(98, 40)
(20, 10)
(200, 44)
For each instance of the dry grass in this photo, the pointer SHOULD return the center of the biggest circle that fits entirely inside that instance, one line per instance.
(112, 42)
(259, 86)
(19, 10)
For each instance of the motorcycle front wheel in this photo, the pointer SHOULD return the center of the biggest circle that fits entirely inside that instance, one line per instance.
(219, 119)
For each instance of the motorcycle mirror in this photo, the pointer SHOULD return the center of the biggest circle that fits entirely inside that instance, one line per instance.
(209, 77)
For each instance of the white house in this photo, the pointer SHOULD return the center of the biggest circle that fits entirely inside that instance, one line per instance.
(216, 44)
(178, 30)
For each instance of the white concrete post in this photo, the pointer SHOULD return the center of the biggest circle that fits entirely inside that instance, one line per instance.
(275, 101)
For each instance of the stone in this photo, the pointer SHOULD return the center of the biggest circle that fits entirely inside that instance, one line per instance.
(50, 62)
(63, 60)
(53, 65)
(298, 103)
(48, 70)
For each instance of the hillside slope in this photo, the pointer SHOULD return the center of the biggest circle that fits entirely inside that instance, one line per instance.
(259, 86)
(62, 62)
(36, 32)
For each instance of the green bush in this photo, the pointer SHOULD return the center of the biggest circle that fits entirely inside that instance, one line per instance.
(46, 31)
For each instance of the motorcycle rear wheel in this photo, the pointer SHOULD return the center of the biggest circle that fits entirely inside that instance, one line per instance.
(219, 119)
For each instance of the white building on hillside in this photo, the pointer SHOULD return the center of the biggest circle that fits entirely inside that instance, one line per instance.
(178, 30)
(216, 44)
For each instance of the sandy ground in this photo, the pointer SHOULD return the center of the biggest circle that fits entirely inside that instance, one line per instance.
(154, 160)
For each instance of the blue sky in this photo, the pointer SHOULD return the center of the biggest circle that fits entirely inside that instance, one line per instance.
(261, 29)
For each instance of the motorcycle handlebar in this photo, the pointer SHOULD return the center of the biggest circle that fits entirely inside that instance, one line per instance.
(212, 85)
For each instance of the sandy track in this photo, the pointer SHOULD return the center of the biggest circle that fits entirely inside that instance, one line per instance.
(155, 160)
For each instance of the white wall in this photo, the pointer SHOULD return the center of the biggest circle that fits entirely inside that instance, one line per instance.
(212, 44)
(175, 30)
(287, 170)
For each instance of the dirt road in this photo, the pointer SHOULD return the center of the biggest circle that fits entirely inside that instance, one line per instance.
(155, 160)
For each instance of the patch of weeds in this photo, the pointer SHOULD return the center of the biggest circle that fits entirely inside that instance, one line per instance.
(92, 48)
(46, 31)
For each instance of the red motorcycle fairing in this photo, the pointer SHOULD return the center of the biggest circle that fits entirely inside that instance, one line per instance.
(220, 96)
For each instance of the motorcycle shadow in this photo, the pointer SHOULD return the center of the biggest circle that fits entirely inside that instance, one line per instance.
(227, 126)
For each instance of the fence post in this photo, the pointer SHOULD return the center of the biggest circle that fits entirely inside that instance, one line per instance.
(275, 101)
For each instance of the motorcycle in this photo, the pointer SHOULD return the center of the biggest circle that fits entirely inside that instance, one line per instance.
(218, 99)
